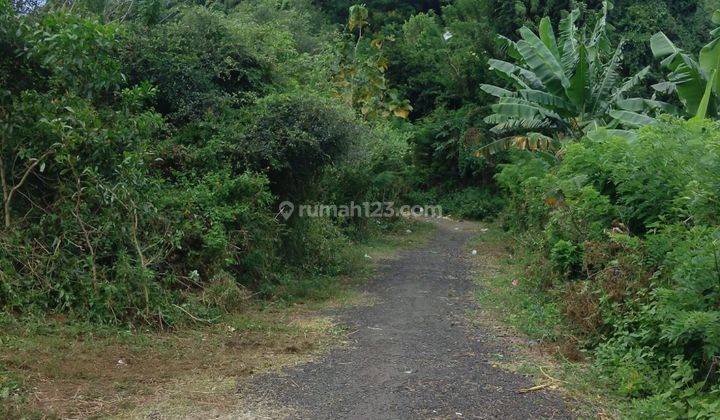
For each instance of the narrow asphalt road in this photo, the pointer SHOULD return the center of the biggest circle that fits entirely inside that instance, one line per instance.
(412, 354)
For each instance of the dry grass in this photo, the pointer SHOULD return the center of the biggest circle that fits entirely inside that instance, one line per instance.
(180, 374)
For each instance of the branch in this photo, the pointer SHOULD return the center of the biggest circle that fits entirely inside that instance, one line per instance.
(5, 187)
(33, 164)
(8, 194)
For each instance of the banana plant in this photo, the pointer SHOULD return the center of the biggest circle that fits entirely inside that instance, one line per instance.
(563, 87)
(696, 83)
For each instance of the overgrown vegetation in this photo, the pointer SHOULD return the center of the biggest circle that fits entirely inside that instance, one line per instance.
(625, 233)
(143, 159)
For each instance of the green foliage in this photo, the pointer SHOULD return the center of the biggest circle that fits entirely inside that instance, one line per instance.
(471, 203)
(523, 181)
(381, 12)
(563, 86)
(142, 161)
(444, 146)
(626, 230)
(199, 62)
(635, 21)
(696, 82)
(293, 136)
(565, 256)
(360, 71)
(437, 60)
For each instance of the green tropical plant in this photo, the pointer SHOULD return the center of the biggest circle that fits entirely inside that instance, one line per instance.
(563, 86)
(696, 82)
(360, 73)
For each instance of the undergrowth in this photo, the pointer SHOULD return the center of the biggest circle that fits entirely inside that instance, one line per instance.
(59, 366)
(621, 238)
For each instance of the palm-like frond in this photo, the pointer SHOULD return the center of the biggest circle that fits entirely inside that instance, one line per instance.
(631, 119)
(630, 83)
(695, 82)
(497, 91)
(541, 61)
(529, 141)
(599, 33)
(563, 86)
(608, 80)
(569, 42)
(509, 72)
(643, 105)
(504, 125)
(516, 108)
(555, 103)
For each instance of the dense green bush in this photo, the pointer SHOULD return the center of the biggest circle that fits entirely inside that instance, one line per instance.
(143, 162)
(198, 60)
(471, 203)
(74, 173)
(294, 136)
(628, 223)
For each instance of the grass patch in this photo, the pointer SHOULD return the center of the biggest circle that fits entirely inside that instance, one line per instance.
(78, 370)
(532, 321)
(409, 233)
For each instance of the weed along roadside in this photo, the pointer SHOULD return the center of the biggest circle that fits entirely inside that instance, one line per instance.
(54, 367)
(530, 324)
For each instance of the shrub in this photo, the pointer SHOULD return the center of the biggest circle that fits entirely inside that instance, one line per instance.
(526, 195)
(113, 212)
(198, 60)
(566, 256)
(630, 228)
(472, 203)
(375, 170)
(293, 137)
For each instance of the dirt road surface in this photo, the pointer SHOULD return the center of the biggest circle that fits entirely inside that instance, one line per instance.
(413, 354)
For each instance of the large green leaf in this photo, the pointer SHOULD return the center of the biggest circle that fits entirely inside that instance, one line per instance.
(568, 42)
(542, 109)
(542, 62)
(608, 81)
(705, 102)
(496, 91)
(556, 103)
(710, 61)
(642, 104)
(662, 47)
(515, 110)
(665, 87)
(578, 91)
(509, 47)
(599, 35)
(689, 83)
(631, 119)
(547, 35)
(602, 134)
(505, 124)
(508, 71)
